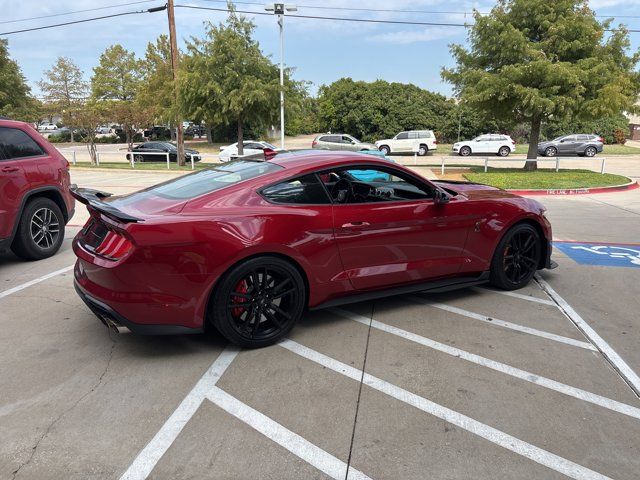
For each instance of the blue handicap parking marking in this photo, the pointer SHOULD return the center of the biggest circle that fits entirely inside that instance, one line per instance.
(601, 254)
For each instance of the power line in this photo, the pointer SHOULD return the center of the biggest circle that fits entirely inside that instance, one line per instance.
(16, 20)
(316, 17)
(349, 19)
(44, 27)
(394, 10)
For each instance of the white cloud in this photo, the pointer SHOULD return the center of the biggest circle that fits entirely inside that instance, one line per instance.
(405, 37)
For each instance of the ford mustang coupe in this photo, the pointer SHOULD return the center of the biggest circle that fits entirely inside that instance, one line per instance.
(248, 245)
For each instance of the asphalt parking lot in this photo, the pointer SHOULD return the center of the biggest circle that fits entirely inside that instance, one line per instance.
(470, 384)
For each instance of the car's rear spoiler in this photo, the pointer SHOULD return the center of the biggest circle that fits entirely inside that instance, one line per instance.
(93, 199)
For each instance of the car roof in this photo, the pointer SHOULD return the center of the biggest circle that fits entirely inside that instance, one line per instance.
(7, 122)
(312, 159)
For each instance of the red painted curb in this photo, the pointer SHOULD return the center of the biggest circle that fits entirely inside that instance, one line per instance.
(578, 191)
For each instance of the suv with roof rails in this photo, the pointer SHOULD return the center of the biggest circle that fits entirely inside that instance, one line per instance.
(35, 202)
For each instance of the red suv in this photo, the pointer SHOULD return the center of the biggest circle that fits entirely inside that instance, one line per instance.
(35, 203)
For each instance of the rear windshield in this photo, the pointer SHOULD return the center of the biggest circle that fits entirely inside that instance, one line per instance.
(212, 179)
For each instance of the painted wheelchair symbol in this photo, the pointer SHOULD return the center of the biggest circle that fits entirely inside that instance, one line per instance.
(630, 254)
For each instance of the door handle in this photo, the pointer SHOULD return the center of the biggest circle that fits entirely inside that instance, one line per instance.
(10, 169)
(355, 225)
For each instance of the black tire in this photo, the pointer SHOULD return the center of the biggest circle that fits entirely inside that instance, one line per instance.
(550, 152)
(516, 258)
(590, 152)
(385, 149)
(464, 151)
(504, 151)
(423, 150)
(40, 230)
(138, 158)
(266, 286)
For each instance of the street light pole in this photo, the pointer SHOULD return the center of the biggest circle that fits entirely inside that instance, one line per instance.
(279, 9)
(281, 23)
(180, 160)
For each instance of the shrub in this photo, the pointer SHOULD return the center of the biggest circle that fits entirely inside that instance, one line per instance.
(620, 136)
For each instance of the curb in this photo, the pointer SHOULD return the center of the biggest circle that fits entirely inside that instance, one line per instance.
(578, 191)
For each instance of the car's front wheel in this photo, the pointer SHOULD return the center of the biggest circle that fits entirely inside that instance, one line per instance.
(385, 149)
(40, 231)
(258, 301)
(516, 258)
(465, 152)
(550, 151)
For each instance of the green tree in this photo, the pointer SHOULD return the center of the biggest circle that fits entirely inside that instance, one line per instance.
(115, 81)
(535, 60)
(155, 91)
(374, 110)
(65, 88)
(15, 95)
(226, 79)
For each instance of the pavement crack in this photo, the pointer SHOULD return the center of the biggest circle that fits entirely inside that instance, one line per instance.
(96, 384)
(355, 419)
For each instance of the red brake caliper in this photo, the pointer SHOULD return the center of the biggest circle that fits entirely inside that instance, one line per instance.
(241, 287)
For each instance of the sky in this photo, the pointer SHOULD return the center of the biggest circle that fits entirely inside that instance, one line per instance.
(320, 51)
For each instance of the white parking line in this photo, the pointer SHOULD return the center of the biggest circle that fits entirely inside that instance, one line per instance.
(502, 323)
(35, 281)
(307, 451)
(610, 354)
(578, 393)
(147, 459)
(513, 444)
(515, 295)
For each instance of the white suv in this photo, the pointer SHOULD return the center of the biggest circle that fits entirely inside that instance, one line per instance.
(501, 145)
(420, 141)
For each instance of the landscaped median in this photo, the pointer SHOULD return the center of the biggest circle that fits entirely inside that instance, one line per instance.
(547, 181)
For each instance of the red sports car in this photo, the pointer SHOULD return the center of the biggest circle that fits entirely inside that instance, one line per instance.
(248, 245)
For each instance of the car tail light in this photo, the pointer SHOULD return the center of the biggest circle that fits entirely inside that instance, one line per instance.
(314, 143)
(601, 140)
(435, 142)
(114, 246)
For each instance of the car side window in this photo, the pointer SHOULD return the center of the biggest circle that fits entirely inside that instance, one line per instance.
(402, 136)
(17, 144)
(372, 184)
(347, 140)
(305, 190)
(583, 138)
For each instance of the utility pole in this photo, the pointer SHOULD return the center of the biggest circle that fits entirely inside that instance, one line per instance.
(174, 69)
(279, 9)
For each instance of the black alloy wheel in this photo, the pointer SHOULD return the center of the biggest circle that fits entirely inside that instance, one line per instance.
(40, 230)
(517, 258)
(258, 302)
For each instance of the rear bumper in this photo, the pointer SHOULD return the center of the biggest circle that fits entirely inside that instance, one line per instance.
(110, 317)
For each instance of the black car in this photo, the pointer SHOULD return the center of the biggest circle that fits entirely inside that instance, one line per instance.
(149, 152)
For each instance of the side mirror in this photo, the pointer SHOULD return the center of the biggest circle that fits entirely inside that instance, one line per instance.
(439, 197)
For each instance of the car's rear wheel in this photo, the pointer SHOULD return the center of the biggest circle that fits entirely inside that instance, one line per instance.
(385, 149)
(40, 231)
(138, 158)
(465, 151)
(422, 151)
(590, 152)
(504, 151)
(258, 301)
(550, 151)
(516, 258)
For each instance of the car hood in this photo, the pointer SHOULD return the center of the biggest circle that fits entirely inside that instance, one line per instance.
(474, 191)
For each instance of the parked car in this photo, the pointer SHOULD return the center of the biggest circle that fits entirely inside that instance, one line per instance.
(44, 127)
(246, 247)
(35, 203)
(501, 145)
(575, 144)
(250, 147)
(195, 131)
(157, 132)
(148, 152)
(340, 141)
(420, 141)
